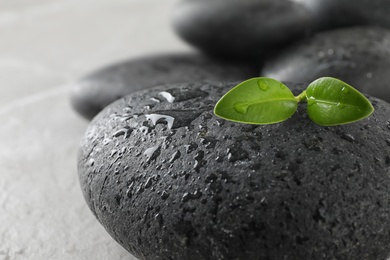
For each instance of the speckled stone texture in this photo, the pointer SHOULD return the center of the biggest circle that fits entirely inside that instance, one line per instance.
(94, 92)
(169, 180)
(336, 13)
(232, 28)
(359, 56)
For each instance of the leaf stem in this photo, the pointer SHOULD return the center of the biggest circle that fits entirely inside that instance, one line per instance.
(301, 97)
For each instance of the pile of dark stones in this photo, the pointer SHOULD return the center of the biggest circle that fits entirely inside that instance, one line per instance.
(169, 180)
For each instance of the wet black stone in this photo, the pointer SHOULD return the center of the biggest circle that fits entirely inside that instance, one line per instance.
(299, 190)
(359, 56)
(94, 92)
(244, 28)
(339, 13)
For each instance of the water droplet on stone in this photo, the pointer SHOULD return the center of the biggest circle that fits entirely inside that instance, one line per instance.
(236, 153)
(190, 147)
(264, 201)
(203, 130)
(198, 160)
(159, 219)
(264, 86)
(152, 153)
(186, 197)
(106, 140)
(164, 195)
(113, 152)
(129, 194)
(208, 116)
(208, 142)
(241, 108)
(182, 118)
(184, 94)
(191, 196)
(347, 137)
(369, 75)
(91, 162)
(144, 129)
(124, 131)
(220, 122)
(167, 96)
(175, 156)
(148, 182)
(167, 141)
(156, 118)
(155, 100)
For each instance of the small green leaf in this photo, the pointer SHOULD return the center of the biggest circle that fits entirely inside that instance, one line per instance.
(257, 101)
(334, 102)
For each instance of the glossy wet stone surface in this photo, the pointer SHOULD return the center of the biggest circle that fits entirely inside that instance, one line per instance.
(240, 29)
(94, 92)
(336, 13)
(169, 180)
(359, 56)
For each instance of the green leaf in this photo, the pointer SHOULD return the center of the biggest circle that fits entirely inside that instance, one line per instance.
(257, 101)
(334, 102)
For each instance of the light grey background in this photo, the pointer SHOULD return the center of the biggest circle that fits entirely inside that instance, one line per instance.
(45, 45)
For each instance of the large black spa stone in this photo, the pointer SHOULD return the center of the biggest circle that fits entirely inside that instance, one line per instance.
(359, 56)
(169, 180)
(244, 28)
(94, 92)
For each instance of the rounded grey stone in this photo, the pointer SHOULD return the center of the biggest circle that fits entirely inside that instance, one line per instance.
(95, 91)
(359, 56)
(244, 28)
(169, 180)
(337, 13)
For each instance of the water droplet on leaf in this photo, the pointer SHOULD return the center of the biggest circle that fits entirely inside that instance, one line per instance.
(311, 101)
(241, 108)
(340, 105)
(345, 90)
(263, 85)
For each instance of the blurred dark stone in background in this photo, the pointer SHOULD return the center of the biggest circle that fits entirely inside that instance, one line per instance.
(245, 28)
(359, 56)
(94, 92)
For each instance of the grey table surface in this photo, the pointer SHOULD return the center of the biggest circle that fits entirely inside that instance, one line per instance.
(45, 45)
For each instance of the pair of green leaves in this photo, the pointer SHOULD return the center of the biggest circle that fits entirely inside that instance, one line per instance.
(266, 101)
